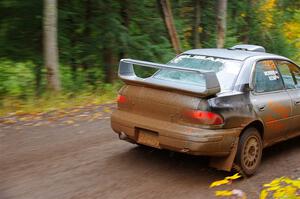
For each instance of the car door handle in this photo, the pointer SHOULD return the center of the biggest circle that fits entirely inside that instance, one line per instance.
(261, 107)
(297, 102)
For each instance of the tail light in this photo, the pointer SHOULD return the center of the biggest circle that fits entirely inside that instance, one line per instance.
(121, 99)
(204, 117)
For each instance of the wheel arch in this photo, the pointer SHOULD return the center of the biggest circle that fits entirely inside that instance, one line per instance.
(255, 124)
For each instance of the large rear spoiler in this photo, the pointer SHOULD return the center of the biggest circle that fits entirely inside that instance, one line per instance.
(127, 74)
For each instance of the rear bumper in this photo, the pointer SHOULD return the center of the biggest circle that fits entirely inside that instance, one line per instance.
(176, 137)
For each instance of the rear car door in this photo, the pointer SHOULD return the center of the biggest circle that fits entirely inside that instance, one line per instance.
(291, 76)
(271, 101)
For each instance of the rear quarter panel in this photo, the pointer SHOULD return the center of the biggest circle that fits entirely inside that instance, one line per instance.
(235, 107)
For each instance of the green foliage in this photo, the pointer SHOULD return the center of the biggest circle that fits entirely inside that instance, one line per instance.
(94, 35)
(21, 29)
(16, 79)
(83, 79)
(49, 102)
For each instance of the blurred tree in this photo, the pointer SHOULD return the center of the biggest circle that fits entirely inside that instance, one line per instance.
(197, 27)
(221, 22)
(125, 21)
(168, 17)
(21, 35)
(110, 33)
(50, 44)
(93, 35)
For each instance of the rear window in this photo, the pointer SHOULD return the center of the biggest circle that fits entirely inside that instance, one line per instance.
(226, 70)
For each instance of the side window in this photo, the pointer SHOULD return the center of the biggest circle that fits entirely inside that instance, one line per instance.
(290, 74)
(267, 77)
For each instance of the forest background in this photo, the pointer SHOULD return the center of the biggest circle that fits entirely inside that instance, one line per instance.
(59, 54)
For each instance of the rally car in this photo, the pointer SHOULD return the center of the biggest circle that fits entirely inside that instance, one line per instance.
(228, 104)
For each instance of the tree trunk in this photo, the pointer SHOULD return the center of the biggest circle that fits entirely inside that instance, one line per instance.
(221, 23)
(124, 12)
(72, 61)
(109, 63)
(38, 79)
(168, 18)
(197, 43)
(86, 39)
(246, 28)
(50, 44)
(74, 70)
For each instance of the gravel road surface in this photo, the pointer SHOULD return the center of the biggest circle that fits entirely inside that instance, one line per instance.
(79, 156)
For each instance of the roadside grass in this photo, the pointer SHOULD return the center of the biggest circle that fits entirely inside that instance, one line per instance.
(53, 102)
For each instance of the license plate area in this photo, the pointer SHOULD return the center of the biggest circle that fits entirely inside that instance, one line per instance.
(147, 137)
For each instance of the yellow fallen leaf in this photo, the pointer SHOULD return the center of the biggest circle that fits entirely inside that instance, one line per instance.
(295, 183)
(219, 183)
(83, 115)
(275, 182)
(227, 180)
(286, 192)
(290, 190)
(18, 113)
(97, 115)
(107, 110)
(263, 194)
(273, 188)
(281, 188)
(37, 124)
(23, 119)
(234, 177)
(75, 110)
(70, 122)
(9, 121)
(224, 193)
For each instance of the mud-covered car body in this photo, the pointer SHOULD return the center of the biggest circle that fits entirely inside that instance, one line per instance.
(207, 114)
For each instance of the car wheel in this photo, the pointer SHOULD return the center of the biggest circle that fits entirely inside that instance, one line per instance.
(249, 151)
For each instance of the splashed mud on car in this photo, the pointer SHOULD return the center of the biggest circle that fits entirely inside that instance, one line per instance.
(228, 104)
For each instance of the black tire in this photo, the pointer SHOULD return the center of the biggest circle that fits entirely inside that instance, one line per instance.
(142, 146)
(249, 151)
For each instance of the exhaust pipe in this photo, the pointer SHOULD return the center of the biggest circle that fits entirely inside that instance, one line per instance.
(123, 136)
(185, 150)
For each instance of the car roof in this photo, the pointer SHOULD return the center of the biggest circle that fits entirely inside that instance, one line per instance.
(230, 53)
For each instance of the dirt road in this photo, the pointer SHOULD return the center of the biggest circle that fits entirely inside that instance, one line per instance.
(83, 158)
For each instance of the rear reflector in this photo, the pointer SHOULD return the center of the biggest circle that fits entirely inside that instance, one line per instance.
(121, 99)
(204, 117)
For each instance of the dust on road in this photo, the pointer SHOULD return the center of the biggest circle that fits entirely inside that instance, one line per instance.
(85, 159)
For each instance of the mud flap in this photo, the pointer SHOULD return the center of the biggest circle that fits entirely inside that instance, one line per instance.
(225, 163)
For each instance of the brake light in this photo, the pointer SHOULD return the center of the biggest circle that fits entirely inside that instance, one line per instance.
(204, 117)
(121, 99)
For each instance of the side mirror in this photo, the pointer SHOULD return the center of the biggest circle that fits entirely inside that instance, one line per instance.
(247, 88)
